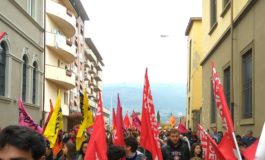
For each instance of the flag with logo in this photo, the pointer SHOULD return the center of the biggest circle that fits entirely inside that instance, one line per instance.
(136, 122)
(149, 129)
(97, 146)
(228, 145)
(87, 120)
(25, 120)
(210, 148)
(49, 116)
(55, 124)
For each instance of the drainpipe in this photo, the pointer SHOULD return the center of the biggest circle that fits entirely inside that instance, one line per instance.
(232, 60)
(43, 90)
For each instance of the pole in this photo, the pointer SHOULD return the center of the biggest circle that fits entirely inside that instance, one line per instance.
(237, 148)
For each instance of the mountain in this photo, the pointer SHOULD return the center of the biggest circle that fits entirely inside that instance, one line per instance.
(167, 98)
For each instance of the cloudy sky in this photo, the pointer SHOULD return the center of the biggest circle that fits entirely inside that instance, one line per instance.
(134, 34)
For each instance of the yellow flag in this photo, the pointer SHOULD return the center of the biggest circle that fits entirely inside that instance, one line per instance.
(55, 124)
(87, 121)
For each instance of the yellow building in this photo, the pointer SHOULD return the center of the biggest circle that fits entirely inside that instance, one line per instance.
(60, 52)
(233, 38)
(194, 83)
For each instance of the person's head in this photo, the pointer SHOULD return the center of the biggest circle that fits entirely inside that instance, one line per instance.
(18, 142)
(249, 133)
(174, 136)
(69, 150)
(214, 129)
(83, 147)
(48, 150)
(196, 150)
(131, 145)
(115, 152)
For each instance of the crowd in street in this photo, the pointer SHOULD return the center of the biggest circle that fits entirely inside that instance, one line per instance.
(21, 142)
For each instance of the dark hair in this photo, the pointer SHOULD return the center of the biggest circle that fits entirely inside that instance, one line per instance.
(192, 152)
(71, 150)
(132, 142)
(115, 152)
(81, 148)
(24, 139)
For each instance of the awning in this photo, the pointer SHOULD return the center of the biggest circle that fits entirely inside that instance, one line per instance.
(2, 35)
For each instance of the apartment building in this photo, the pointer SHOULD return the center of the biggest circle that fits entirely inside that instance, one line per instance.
(233, 38)
(21, 59)
(60, 53)
(194, 83)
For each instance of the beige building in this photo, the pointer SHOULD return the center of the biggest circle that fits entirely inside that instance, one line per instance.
(60, 53)
(233, 38)
(21, 59)
(194, 83)
(69, 66)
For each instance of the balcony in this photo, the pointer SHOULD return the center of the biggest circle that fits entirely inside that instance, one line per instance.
(60, 76)
(62, 17)
(61, 46)
(98, 76)
(98, 66)
(92, 70)
(90, 55)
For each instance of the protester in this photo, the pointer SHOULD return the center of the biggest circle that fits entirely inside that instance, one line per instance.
(131, 146)
(18, 142)
(82, 151)
(215, 135)
(69, 152)
(248, 139)
(115, 152)
(175, 148)
(196, 150)
(193, 138)
(48, 152)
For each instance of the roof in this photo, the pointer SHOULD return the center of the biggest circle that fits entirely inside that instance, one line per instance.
(91, 45)
(79, 8)
(192, 19)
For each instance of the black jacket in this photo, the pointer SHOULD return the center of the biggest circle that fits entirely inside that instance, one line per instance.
(179, 150)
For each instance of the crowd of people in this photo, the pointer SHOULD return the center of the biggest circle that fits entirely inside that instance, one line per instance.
(18, 142)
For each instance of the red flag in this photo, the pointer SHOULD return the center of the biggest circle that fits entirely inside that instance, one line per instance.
(119, 121)
(249, 153)
(114, 127)
(49, 115)
(136, 122)
(149, 129)
(97, 146)
(210, 149)
(182, 128)
(228, 145)
(127, 123)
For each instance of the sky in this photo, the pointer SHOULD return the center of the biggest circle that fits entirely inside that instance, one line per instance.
(134, 34)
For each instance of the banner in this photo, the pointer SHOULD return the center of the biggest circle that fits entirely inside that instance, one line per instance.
(87, 120)
(25, 120)
(56, 122)
(97, 146)
(149, 129)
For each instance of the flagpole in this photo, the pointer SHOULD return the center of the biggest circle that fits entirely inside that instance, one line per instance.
(237, 148)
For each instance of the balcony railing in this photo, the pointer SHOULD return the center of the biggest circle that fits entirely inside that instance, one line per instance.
(62, 17)
(61, 46)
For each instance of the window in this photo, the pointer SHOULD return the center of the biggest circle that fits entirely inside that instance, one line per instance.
(66, 98)
(247, 84)
(213, 12)
(213, 107)
(2, 68)
(227, 90)
(30, 7)
(24, 78)
(34, 81)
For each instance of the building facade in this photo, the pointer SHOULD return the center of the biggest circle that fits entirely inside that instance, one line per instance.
(60, 53)
(194, 83)
(233, 38)
(21, 59)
